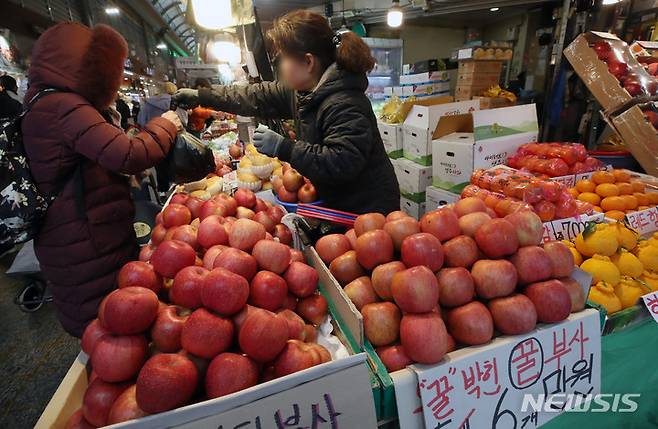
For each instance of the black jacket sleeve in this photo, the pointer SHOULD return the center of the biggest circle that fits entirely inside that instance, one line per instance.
(270, 100)
(341, 155)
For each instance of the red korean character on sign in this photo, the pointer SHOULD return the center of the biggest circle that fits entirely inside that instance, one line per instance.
(652, 216)
(526, 363)
(642, 220)
(580, 338)
(480, 376)
(440, 403)
(560, 346)
(651, 302)
(547, 233)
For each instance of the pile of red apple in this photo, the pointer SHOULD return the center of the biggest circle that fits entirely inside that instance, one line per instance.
(214, 305)
(632, 77)
(452, 278)
(293, 188)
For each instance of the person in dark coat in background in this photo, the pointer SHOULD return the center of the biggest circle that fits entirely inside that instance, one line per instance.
(74, 153)
(10, 103)
(324, 80)
(135, 111)
(122, 107)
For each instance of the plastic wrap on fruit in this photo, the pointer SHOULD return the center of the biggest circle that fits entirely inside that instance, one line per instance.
(545, 210)
(565, 206)
(594, 164)
(473, 191)
(551, 190)
(584, 208)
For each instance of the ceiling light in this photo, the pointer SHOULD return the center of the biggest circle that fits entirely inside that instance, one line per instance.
(494, 9)
(161, 45)
(609, 2)
(213, 14)
(226, 52)
(112, 10)
(395, 16)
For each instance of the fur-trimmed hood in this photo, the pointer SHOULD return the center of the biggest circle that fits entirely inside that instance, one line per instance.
(72, 57)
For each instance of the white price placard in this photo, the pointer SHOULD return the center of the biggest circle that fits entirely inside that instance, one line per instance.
(568, 228)
(651, 302)
(645, 221)
(484, 387)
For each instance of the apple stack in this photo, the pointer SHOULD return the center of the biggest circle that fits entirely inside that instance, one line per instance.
(293, 188)
(217, 306)
(622, 65)
(455, 277)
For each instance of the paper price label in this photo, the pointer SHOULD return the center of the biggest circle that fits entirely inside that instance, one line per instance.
(651, 302)
(569, 228)
(644, 221)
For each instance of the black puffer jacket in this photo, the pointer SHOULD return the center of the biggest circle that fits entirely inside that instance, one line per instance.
(339, 148)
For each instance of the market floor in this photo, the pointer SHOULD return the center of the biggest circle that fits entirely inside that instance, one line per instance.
(35, 354)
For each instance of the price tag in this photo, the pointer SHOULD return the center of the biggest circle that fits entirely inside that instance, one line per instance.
(568, 228)
(645, 221)
(514, 382)
(568, 181)
(651, 302)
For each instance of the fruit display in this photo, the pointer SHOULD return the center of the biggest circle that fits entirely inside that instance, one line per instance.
(452, 279)
(614, 193)
(291, 187)
(505, 191)
(623, 267)
(217, 303)
(625, 68)
(554, 159)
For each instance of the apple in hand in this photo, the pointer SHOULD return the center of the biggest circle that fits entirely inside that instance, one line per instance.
(166, 331)
(137, 273)
(167, 381)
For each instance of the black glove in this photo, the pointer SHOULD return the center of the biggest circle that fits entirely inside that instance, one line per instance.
(186, 98)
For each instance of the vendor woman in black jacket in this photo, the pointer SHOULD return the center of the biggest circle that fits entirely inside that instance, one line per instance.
(324, 80)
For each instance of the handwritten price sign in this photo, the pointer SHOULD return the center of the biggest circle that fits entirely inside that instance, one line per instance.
(569, 228)
(651, 302)
(483, 387)
(644, 221)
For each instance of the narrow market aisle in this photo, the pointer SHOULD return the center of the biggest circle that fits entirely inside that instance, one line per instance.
(35, 353)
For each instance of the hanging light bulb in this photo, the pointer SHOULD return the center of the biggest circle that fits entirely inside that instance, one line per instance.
(213, 14)
(609, 2)
(395, 16)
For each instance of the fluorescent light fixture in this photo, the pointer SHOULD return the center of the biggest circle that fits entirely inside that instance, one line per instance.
(395, 16)
(161, 45)
(494, 9)
(112, 10)
(609, 2)
(213, 14)
(128, 73)
(227, 52)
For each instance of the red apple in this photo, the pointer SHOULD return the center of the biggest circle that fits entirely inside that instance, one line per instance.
(469, 205)
(332, 246)
(165, 332)
(186, 234)
(98, 400)
(244, 213)
(295, 324)
(167, 381)
(351, 236)
(297, 256)
(205, 334)
(92, 334)
(179, 198)
(77, 421)
(292, 180)
(229, 203)
(494, 278)
(497, 238)
(514, 314)
(456, 286)
(461, 251)
(264, 219)
(290, 303)
(415, 290)
(307, 194)
(211, 208)
(381, 323)
(441, 223)
(136, 273)
(400, 229)
(368, 222)
(276, 213)
(576, 293)
(283, 234)
(194, 205)
(118, 358)
(532, 264)
(286, 196)
(529, 227)
(295, 357)
(382, 276)
(302, 279)
(239, 318)
(263, 335)
(129, 310)
(224, 292)
(175, 215)
(145, 252)
(158, 234)
(245, 198)
(310, 333)
(212, 232)
(172, 256)
(395, 215)
(617, 69)
(238, 262)
(346, 267)
(268, 290)
(361, 292)
(374, 248)
(424, 337)
(125, 407)
(229, 373)
(210, 255)
(422, 249)
(245, 233)
(470, 223)
(471, 323)
(551, 299)
(633, 87)
(313, 309)
(186, 288)
(272, 256)
(602, 49)
(562, 262)
(393, 357)
(260, 206)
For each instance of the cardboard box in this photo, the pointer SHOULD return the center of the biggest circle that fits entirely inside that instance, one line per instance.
(640, 138)
(424, 78)
(397, 90)
(480, 66)
(594, 72)
(388, 91)
(391, 135)
(426, 89)
(493, 102)
(412, 208)
(423, 66)
(467, 92)
(483, 53)
(413, 179)
(482, 139)
(477, 78)
(436, 197)
(421, 122)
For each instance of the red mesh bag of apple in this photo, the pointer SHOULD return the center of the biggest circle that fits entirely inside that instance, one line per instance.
(625, 68)
(294, 188)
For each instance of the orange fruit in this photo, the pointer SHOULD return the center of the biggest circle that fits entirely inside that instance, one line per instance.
(637, 186)
(615, 214)
(597, 209)
(607, 190)
(603, 177)
(613, 203)
(585, 185)
(574, 192)
(590, 197)
(625, 188)
(642, 199)
(630, 201)
(621, 175)
(653, 198)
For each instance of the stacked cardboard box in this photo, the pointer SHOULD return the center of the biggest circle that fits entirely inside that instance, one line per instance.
(475, 77)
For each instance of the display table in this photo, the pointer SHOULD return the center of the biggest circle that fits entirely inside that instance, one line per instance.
(628, 366)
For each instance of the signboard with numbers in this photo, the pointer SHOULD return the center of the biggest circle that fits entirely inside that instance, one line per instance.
(651, 302)
(484, 387)
(568, 228)
(645, 221)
